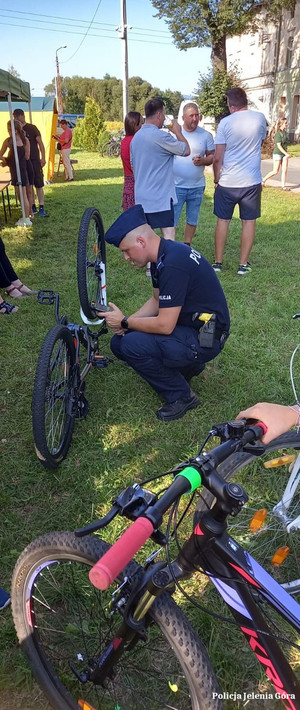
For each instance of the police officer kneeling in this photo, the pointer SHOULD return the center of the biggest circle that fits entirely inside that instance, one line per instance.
(181, 327)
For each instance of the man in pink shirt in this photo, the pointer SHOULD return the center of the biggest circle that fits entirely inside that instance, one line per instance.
(65, 140)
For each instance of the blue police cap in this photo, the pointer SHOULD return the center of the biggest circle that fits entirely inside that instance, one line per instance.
(128, 220)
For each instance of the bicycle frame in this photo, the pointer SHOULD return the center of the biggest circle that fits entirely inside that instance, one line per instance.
(222, 559)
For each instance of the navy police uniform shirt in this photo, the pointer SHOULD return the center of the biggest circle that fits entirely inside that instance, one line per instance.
(185, 278)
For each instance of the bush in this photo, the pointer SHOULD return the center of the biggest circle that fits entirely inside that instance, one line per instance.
(89, 127)
(77, 141)
(103, 139)
(113, 126)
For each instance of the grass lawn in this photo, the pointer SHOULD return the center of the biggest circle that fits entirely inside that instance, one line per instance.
(121, 439)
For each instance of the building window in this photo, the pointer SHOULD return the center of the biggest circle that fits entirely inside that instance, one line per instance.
(289, 52)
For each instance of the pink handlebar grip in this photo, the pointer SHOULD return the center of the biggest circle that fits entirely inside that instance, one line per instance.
(117, 557)
(263, 426)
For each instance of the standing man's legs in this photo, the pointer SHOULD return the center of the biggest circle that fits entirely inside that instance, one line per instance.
(194, 199)
(247, 239)
(168, 232)
(221, 232)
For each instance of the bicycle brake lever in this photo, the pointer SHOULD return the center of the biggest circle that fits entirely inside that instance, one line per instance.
(80, 532)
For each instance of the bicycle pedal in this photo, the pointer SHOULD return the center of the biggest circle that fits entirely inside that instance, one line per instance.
(100, 361)
(82, 408)
(46, 296)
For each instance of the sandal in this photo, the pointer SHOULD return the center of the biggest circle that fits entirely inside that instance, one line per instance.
(21, 288)
(8, 308)
(286, 189)
(10, 292)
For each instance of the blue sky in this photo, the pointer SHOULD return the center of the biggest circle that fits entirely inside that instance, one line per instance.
(32, 31)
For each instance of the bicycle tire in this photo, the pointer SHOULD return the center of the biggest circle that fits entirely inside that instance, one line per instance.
(52, 418)
(50, 589)
(263, 543)
(91, 262)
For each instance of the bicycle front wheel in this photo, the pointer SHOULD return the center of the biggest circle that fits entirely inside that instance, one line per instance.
(52, 411)
(63, 624)
(91, 262)
(269, 524)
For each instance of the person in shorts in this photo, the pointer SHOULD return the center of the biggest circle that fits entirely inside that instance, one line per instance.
(280, 154)
(189, 173)
(237, 174)
(35, 164)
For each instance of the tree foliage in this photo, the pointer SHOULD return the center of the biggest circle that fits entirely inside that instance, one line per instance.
(86, 132)
(107, 93)
(13, 71)
(211, 95)
(194, 23)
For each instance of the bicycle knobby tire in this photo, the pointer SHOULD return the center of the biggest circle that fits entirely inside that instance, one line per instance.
(62, 621)
(52, 415)
(91, 262)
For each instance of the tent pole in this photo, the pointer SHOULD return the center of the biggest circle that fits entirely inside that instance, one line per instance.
(16, 154)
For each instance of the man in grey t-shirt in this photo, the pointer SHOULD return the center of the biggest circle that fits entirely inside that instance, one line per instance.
(237, 174)
(151, 152)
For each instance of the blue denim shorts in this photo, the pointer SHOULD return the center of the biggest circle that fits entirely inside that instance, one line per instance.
(193, 197)
(247, 198)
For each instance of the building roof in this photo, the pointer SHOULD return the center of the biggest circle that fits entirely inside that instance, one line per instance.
(38, 103)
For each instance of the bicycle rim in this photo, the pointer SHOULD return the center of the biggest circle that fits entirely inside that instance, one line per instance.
(63, 622)
(52, 415)
(91, 262)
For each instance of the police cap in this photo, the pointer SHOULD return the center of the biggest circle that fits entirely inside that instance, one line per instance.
(128, 220)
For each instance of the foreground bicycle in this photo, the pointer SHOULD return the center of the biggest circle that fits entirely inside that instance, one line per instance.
(131, 647)
(58, 392)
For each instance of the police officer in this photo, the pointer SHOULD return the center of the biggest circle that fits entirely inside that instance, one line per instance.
(162, 340)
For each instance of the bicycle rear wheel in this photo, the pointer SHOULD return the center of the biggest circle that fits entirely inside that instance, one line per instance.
(52, 406)
(91, 262)
(63, 623)
(268, 522)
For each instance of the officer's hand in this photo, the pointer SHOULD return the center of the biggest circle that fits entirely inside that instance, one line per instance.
(113, 318)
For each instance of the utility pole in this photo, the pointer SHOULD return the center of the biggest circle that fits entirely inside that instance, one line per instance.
(58, 83)
(123, 36)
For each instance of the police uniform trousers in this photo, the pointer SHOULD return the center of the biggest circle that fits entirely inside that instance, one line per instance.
(159, 358)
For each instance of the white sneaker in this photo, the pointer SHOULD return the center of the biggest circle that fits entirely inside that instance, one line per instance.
(24, 222)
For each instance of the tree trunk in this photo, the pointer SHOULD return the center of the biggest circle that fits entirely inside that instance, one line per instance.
(218, 54)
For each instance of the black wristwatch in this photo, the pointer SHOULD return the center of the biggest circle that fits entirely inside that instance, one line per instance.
(124, 323)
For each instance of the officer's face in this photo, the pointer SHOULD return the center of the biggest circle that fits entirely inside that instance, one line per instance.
(134, 251)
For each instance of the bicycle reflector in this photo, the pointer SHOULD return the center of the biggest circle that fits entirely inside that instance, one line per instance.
(95, 248)
(258, 519)
(85, 706)
(280, 555)
(281, 461)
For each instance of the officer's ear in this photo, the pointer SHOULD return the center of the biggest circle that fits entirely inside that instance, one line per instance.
(141, 241)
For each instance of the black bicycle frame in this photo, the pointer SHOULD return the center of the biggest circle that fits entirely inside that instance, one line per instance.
(229, 567)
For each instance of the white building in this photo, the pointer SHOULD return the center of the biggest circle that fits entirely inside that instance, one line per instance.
(268, 63)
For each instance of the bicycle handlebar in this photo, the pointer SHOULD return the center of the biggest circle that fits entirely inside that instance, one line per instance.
(107, 569)
(111, 564)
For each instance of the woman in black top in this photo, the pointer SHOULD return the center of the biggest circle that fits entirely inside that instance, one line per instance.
(23, 148)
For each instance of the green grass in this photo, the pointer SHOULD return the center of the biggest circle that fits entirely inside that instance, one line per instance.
(121, 439)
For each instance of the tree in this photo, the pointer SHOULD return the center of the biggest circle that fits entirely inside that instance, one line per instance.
(198, 23)
(211, 95)
(90, 126)
(13, 71)
(107, 92)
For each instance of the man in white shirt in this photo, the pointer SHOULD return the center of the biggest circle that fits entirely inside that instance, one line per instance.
(189, 172)
(151, 153)
(237, 174)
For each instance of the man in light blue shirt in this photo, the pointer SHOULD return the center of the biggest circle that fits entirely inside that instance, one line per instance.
(151, 152)
(237, 174)
(189, 173)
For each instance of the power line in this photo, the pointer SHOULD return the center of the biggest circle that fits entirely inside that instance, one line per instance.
(143, 33)
(48, 29)
(89, 27)
(72, 19)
